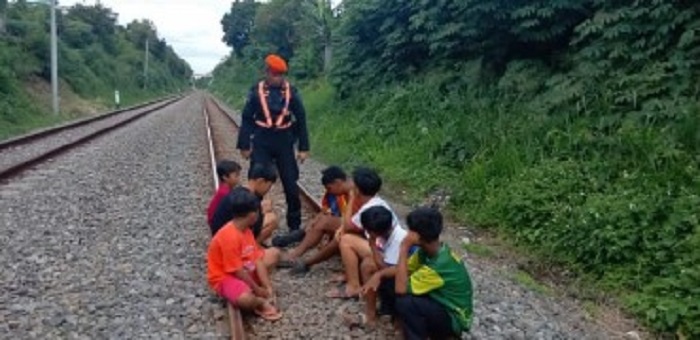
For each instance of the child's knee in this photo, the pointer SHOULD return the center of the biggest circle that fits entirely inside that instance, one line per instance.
(247, 301)
(272, 255)
(273, 252)
(271, 221)
(346, 241)
(330, 223)
(368, 266)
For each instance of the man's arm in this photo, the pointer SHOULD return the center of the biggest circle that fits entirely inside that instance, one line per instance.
(247, 122)
(297, 107)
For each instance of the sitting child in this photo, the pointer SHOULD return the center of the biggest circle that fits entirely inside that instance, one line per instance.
(326, 223)
(238, 269)
(385, 237)
(433, 286)
(229, 173)
(354, 247)
(261, 177)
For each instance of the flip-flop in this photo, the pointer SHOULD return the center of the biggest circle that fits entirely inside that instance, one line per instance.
(339, 293)
(269, 314)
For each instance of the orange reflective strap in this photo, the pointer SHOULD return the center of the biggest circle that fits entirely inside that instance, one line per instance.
(285, 110)
(262, 94)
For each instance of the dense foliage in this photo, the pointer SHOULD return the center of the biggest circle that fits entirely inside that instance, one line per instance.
(574, 126)
(96, 57)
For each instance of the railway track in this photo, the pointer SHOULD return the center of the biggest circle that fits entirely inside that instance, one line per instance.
(221, 131)
(23, 152)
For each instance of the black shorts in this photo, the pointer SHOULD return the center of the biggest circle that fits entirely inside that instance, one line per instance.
(387, 297)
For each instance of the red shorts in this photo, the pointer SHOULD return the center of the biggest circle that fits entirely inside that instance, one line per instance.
(232, 287)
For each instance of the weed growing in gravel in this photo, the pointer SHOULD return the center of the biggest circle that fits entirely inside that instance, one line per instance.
(479, 250)
(530, 283)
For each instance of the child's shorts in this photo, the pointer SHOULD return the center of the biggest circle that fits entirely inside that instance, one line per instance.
(233, 288)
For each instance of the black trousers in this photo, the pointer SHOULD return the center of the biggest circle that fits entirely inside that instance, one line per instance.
(277, 148)
(423, 318)
(387, 297)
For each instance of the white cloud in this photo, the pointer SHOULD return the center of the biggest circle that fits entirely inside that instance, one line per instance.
(192, 27)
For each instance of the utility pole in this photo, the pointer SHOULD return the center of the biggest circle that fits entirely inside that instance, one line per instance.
(145, 67)
(3, 15)
(54, 59)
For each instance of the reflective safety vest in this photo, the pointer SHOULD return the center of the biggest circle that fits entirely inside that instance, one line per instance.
(279, 123)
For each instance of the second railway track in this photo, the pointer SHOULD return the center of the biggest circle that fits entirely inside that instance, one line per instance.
(20, 153)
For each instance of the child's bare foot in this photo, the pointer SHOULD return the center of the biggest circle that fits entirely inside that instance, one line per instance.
(337, 278)
(360, 320)
(343, 292)
(287, 260)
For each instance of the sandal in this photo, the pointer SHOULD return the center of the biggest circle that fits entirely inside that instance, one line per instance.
(340, 292)
(269, 314)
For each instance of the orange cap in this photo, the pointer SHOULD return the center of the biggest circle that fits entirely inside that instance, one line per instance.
(276, 64)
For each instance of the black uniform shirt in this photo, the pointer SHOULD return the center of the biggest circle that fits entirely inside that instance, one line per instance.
(252, 111)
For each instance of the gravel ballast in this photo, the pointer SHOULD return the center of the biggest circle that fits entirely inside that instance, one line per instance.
(109, 240)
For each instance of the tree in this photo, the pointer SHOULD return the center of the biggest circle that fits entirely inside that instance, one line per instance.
(238, 25)
(102, 23)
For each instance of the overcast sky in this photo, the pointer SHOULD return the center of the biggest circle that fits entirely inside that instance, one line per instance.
(192, 27)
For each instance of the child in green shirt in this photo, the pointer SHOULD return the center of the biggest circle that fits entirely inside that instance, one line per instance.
(433, 286)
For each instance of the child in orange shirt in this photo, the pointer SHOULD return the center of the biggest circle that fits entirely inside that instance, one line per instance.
(238, 268)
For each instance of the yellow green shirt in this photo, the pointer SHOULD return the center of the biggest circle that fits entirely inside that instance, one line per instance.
(445, 279)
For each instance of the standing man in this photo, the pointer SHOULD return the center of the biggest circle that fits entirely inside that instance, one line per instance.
(273, 120)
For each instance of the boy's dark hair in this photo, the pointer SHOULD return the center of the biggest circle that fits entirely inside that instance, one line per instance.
(265, 171)
(426, 222)
(367, 181)
(332, 174)
(242, 203)
(226, 167)
(378, 220)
